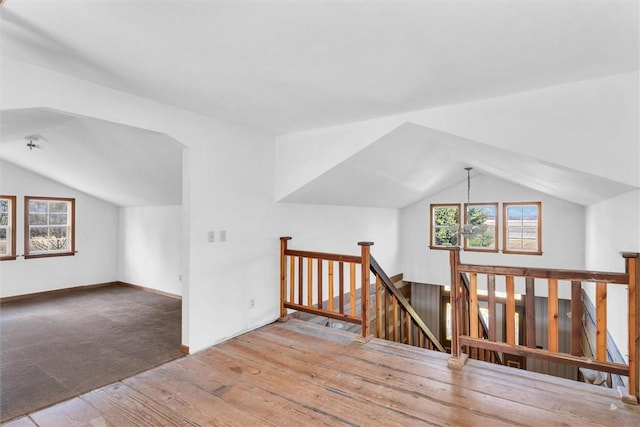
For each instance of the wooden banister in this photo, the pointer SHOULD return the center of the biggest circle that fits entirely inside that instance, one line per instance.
(411, 317)
(304, 285)
(554, 279)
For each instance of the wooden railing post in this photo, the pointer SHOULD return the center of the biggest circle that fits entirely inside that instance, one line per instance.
(633, 270)
(364, 287)
(283, 275)
(456, 307)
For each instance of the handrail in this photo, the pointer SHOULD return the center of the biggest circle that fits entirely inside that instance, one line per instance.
(393, 290)
(465, 333)
(306, 277)
(308, 295)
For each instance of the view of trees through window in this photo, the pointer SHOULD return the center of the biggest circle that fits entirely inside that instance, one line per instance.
(6, 225)
(484, 217)
(445, 222)
(50, 228)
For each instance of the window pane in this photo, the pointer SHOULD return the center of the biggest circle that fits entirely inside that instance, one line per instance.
(522, 227)
(58, 206)
(50, 226)
(4, 242)
(445, 225)
(37, 206)
(38, 239)
(4, 218)
(38, 219)
(57, 219)
(483, 219)
(4, 206)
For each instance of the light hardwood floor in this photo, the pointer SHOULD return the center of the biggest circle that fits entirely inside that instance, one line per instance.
(300, 374)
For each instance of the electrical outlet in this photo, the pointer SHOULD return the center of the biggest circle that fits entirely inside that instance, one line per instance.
(211, 236)
(223, 235)
(252, 303)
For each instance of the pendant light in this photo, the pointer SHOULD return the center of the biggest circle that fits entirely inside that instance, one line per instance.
(469, 230)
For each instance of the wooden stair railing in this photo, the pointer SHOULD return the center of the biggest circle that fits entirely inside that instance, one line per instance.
(465, 333)
(302, 284)
(395, 319)
(493, 356)
(306, 278)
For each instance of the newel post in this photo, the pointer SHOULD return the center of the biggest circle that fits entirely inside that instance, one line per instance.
(283, 275)
(632, 268)
(364, 287)
(456, 361)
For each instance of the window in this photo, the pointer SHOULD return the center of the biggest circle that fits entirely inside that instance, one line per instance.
(445, 220)
(485, 217)
(522, 228)
(49, 226)
(7, 228)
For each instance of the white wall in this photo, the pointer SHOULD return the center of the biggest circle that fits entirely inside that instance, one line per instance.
(149, 247)
(562, 232)
(228, 184)
(605, 239)
(96, 239)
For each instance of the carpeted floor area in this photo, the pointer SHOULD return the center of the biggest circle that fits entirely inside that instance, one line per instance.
(58, 346)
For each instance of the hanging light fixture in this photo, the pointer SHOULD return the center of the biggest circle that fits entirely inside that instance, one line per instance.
(469, 230)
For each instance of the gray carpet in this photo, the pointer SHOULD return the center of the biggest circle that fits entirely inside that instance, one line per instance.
(58, 346)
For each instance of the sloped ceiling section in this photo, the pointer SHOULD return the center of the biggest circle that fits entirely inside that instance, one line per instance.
(413, 162)
(121, 164)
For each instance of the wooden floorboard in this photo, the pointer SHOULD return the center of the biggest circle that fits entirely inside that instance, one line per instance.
(295, 373)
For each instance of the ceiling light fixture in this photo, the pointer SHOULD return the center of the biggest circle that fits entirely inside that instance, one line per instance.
(32, 142)
(469, 230)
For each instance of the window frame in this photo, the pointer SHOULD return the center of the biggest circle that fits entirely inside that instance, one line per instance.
(495, 228)
(505, 229)
(72, 228)
(432, 206)
(11, 232)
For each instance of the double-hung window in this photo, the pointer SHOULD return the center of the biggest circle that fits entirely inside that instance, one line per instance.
(49, 226)
(484, 219)
(7, 228)
(522, 228)
(445, 221)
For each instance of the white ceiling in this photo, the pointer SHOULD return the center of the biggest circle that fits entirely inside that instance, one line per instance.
(120, 164)
(289, 66)
(284, 66)
(412, 162)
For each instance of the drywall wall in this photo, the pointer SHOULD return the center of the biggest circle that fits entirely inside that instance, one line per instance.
(149, 247)
(562, 233)
(228, 185)
(605, 240)
(96, 239)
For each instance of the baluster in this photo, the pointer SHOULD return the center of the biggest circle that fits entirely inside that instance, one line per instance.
(300, 281)
(530, 309)
(330, 273)
(292, 278)
(310, 282)
(352, 289)
(394, 330)
(491, 291)
(407, 325)
(552, 313)
(320, 286)
(473, 305)
(341, 286)
(511, 311)
(379, 301)
(601, 321)
(576, 317)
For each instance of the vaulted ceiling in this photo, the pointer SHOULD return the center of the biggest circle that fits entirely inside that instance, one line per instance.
(289, 66)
